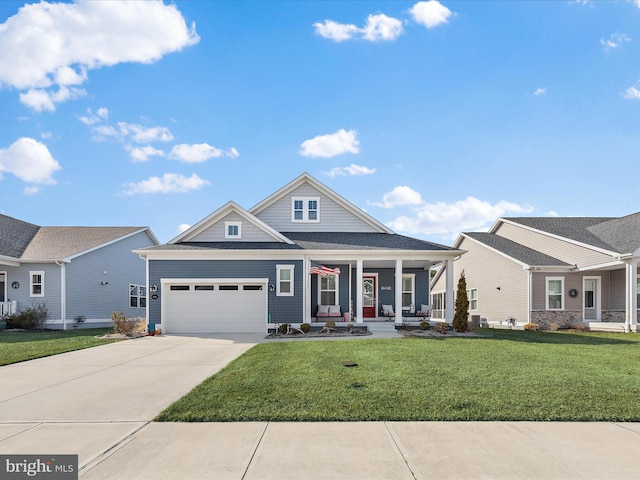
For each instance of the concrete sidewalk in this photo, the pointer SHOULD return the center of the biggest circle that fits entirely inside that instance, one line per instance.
(99, 403)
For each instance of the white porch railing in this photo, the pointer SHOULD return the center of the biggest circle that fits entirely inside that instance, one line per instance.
(8, 308)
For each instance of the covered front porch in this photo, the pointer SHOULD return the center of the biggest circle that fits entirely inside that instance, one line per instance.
(372, 289)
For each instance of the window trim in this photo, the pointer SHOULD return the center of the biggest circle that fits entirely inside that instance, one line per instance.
(279, 281)
(232, 224)
(305, 209)
(471, 300)
(32, 283)
(412, 276)
(336, 290)
(547, 293)
(140, 296)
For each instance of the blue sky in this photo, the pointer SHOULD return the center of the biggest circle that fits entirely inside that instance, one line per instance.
(435, 117)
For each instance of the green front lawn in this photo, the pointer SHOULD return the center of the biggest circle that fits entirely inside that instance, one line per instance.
(20, 346)
(511, 375)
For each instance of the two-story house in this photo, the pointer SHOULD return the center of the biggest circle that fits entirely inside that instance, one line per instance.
(241, 270)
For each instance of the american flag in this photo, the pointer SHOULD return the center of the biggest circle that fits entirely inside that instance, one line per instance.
(324, 271)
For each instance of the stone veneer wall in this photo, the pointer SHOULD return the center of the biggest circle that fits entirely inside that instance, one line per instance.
(566, 317)
(613, 316)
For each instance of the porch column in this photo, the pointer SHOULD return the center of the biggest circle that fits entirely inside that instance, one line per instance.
(631, 304)
(448, 310)
(398, 292)
(359, 292)
(306, 285)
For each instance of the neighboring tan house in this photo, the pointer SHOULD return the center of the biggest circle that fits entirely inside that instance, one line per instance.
(545, 270)
(77, 272)
(241, 270)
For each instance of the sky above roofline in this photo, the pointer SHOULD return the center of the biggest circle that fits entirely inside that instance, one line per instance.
(434, 117)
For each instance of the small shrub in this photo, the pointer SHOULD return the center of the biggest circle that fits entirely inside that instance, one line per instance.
(125, 326)
(305, 327)
(442, 327)
(531, 326)
(554, 327)
(31, 318)
(581, 327)
(283, 328)
(425, 325)
(330, 324)
(350, 327)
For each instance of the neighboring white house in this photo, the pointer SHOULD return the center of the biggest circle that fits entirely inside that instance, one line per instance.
(545, 270)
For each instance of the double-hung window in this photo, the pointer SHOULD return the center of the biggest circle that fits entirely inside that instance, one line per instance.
(408, 291)
(472, 295)
(328, 286)
(305, 209)
(36, 284)
(554, 293)
(284, 282)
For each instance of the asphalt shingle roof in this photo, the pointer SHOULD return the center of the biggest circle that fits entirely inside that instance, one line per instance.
(15, 236)
(515, 250)
(52, 243)
(621, 233)
(578, 229)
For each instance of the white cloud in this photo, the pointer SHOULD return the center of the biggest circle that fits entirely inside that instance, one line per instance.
(45, 45)
(30, 161)
(168, 183)
(400, 196)
(379, 27)
(539, 91)
(183, 227)
(430, 14)
(614, 41)
(338, 32)
(351, 170)
(199, 152)
(93, 118)
(142, 154)
(449, 219)
(132, 131)
(330, 145)
(632, 93)
(31, 190)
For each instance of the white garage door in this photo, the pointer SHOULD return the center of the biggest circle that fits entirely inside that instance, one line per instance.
(214, 307)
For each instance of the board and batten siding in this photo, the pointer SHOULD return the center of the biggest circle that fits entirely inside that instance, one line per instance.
(115, 264)
(617, 290)
(486, 270)
(216, 232)
(283, 309)
(554, 247)
(333, 216)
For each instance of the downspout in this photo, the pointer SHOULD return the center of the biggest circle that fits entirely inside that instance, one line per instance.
(530, 294)
(63, 293)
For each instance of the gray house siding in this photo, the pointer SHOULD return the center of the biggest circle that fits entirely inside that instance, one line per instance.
(115, 264)
(216, 233)
(52, 290)
(281, 309)
(333, 217)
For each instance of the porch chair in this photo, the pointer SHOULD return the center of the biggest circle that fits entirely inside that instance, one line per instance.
(387, 311)
(425, 311)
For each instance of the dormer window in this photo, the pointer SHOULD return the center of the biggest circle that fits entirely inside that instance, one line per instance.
(233, 230)
(305, 209)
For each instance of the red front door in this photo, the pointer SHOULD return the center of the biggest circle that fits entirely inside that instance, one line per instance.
(369, 297)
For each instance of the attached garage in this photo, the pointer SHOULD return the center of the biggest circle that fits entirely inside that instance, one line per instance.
(214, 306)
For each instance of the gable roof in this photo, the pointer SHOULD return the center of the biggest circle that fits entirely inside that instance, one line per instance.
(576, 229)
(15, 236)
(623, 234)
(361, 241)
(306, 178)
(216, 216)
(24, 241)
(57, 243)
(525, 255)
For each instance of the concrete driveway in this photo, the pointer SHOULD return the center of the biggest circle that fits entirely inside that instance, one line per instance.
(98, 403)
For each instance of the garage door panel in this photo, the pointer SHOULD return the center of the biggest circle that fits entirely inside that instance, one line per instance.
(227, 310)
